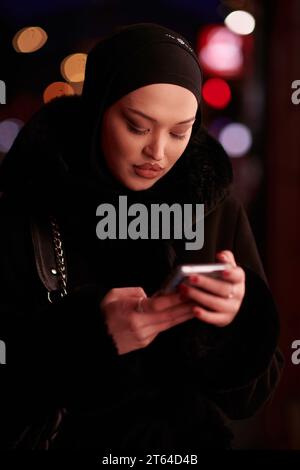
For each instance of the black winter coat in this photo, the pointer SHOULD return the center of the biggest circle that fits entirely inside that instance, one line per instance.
(173, 394)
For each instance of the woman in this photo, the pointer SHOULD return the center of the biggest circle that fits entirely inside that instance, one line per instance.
(125, 366)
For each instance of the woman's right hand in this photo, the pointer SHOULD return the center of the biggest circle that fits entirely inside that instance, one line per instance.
(132, 329)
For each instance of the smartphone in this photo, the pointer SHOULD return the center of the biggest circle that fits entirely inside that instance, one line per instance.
(181, 272)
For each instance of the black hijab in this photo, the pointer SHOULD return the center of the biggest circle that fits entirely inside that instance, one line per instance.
(130, 58)
(135, 56)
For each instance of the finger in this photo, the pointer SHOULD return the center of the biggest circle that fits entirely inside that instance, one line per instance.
(232, 279)
(226, 256)
(162, 302)
(216, 319)
(211, 285)
(169, 324)
(213, 302)
(235, 275)
(143, 305)
(156, 318)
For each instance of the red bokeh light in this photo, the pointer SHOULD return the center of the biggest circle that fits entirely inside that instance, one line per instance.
(216, 92)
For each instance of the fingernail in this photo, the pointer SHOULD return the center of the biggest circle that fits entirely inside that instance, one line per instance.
(183, 289)
(183, 292)
(193, 278)
(226, 273)
(197, 311)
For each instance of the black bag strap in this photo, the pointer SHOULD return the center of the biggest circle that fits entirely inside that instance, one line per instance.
(49, 255)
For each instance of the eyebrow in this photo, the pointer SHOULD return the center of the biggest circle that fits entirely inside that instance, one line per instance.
(136, 111)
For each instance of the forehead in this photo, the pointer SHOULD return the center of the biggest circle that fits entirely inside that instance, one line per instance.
(163, 98)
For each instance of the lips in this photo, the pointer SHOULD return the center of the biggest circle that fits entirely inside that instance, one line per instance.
(149, 166)
(147, 170)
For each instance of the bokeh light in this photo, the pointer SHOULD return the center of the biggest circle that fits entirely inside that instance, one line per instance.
(216, 126)
(240, 22)
(56, 89)
(77, 87)
(236, 139)
(9, 129)
(216, 92)
(29, 39)
(73, 67)
(220, 51)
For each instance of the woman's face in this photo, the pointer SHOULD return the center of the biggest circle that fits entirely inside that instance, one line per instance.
(145, 133)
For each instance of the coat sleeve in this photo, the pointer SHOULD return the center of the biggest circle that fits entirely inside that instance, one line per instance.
(237, 366)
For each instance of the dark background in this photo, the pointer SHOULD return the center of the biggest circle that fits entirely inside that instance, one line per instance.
(267, 177)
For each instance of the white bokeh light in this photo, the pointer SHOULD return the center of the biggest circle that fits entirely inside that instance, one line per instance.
(222, 52)
(236, 139)
(240, 22)
(222, 57)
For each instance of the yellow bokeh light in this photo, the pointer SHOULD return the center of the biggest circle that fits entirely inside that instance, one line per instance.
(73, 67)
(77, 87)
(57, 89)
(29, 39)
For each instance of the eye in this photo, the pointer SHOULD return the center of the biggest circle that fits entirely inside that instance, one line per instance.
(178, 136)
(135, 130)
(132, 128)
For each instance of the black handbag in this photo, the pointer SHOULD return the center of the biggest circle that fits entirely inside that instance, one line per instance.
(51, 267)
(49, 256)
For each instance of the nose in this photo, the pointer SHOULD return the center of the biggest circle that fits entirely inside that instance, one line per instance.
(155, 148)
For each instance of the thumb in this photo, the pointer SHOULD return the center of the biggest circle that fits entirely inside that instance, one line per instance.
(136, 292)
(120, 293)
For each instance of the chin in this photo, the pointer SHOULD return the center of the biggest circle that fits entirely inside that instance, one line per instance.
(134, 186)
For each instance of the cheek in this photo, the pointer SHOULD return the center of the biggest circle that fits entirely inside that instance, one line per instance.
(177, 151)
(123, 145)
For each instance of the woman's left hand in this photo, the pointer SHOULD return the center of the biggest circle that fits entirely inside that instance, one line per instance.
(222, 298)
